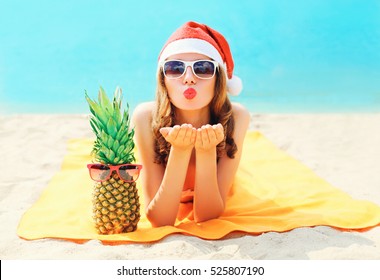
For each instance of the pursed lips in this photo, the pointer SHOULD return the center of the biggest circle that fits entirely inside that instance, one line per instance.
(190, 93)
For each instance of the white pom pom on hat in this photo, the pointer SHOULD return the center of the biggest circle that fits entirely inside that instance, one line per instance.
(193, 37)
(234, 85)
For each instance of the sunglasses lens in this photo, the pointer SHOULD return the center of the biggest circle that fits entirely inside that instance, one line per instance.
(99, 172)
(174, 69)
(204, 69)
(129, 173)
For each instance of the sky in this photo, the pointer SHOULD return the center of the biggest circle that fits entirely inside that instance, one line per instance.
(291, 55)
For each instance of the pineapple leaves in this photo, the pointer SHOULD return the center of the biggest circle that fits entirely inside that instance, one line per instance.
(111, 128)
(103, 99)
(111, 155)
(120, 149)
(96, 111)
(116, 105)
(94, 126)
(111, 125)
(109, 142)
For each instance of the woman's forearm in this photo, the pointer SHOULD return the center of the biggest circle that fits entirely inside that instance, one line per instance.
(208, 202)
(163, 208)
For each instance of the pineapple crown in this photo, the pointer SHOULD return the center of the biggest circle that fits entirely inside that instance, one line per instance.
(114, 139)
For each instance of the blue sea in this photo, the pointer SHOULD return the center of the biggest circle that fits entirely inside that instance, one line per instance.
(293, 56)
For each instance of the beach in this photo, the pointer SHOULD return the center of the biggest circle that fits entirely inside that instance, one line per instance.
(344, 149)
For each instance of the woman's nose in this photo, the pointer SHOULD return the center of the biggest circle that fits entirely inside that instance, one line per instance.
(189, 77)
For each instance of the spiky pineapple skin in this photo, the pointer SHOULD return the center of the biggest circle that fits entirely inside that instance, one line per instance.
(116, 206)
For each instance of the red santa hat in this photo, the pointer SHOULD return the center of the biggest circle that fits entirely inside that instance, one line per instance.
(193, 37)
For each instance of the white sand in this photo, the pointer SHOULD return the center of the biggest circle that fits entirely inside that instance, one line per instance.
(342, 148)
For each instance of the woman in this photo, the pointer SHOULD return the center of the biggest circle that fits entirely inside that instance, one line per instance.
(190, 139)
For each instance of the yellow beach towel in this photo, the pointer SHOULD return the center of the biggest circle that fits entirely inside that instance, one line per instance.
(272, 192)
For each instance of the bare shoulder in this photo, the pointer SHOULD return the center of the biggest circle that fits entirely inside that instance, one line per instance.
(241, 114)
(143, 110)
(242, 121)
(142, 122)
(143, 113)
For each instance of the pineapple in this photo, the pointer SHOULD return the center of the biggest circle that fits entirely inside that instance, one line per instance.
(116, 207)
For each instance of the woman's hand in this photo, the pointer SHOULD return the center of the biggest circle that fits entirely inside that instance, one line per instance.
(208, 137)
(180, 136)
(185, 136)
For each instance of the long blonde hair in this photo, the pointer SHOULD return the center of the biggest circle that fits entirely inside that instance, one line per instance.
(220, 112)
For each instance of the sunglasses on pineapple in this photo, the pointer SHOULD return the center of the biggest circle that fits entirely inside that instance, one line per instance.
(202, 69)
(127, 172)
